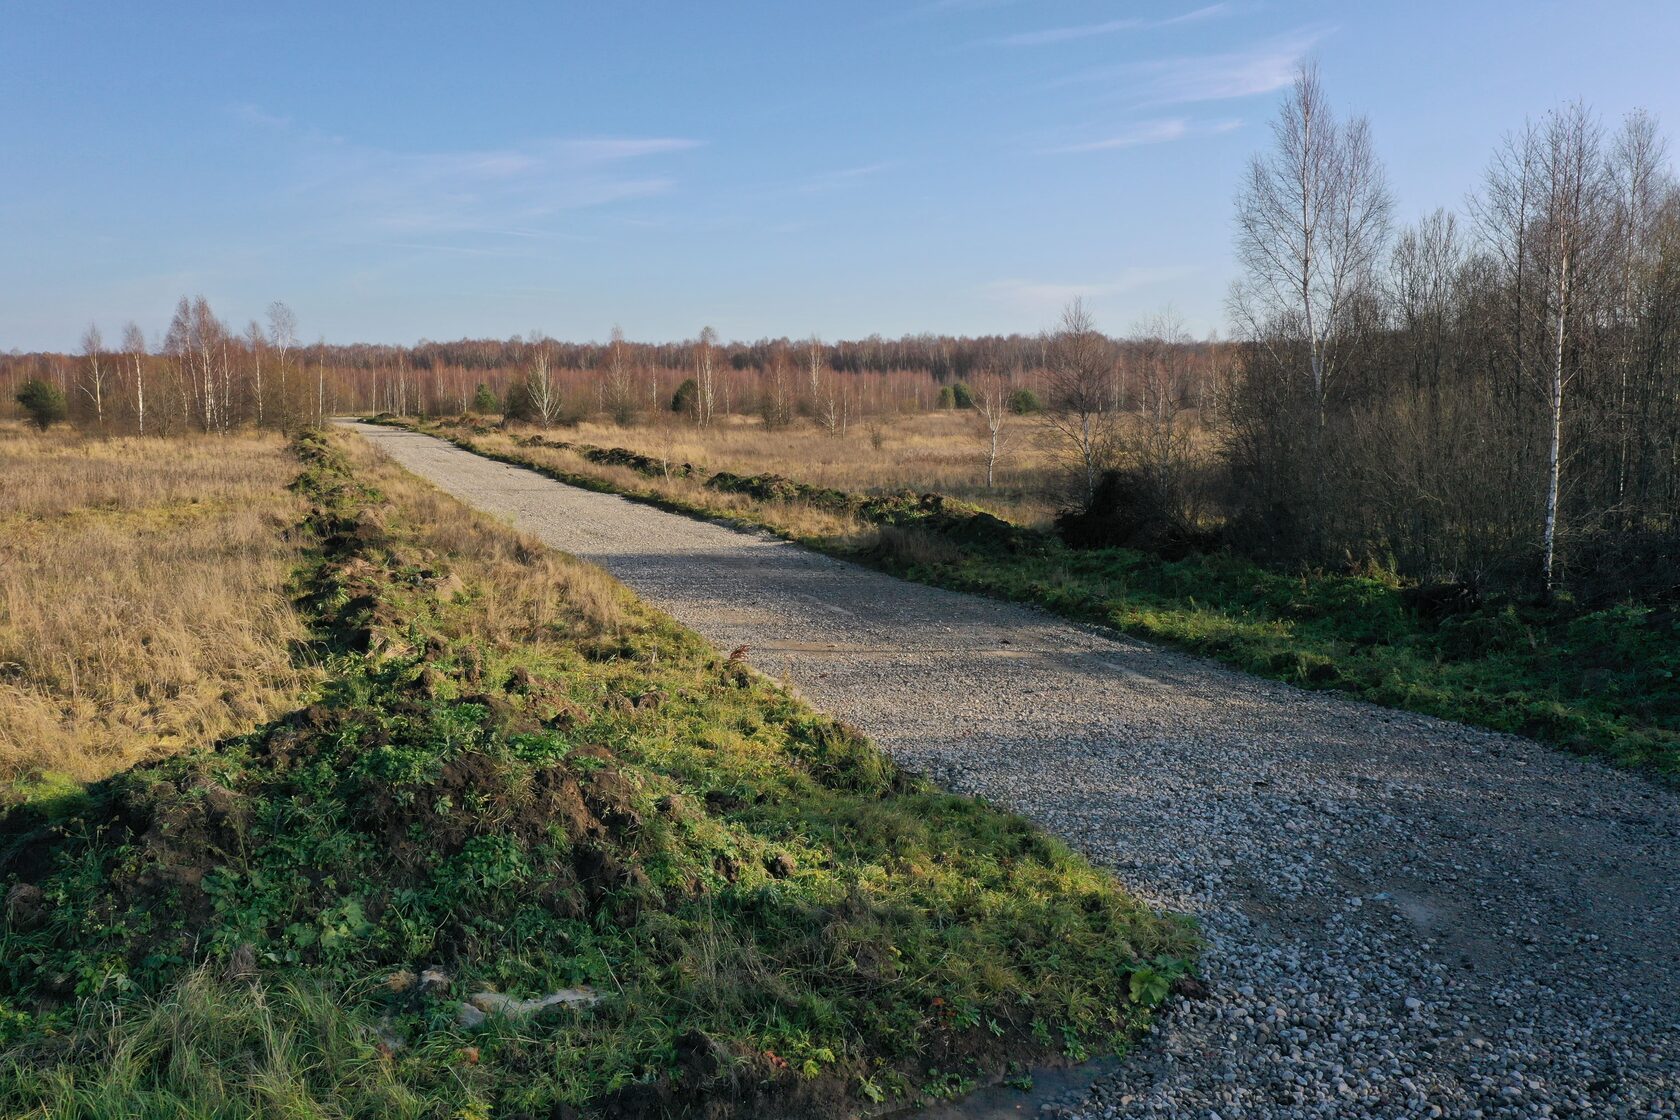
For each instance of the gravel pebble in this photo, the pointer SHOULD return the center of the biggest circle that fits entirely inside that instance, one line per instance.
(1406, 917)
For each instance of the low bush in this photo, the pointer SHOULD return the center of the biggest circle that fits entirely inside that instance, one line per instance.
(43, 402)
(1126, 511)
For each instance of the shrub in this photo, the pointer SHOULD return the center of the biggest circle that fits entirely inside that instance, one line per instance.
(1126, 511)
(956, 395)
(1025, 402)
(686, 397)
(519, 406)
(43, 401)
(484, 400)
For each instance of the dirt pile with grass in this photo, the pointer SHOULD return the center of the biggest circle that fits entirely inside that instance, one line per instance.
(939, 516)
(518, 780)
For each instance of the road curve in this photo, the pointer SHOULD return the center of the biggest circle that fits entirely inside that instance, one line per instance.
(1407, 917)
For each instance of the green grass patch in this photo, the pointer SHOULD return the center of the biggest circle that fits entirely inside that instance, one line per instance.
(1599, 683)
(766, 910)
(1602, 682)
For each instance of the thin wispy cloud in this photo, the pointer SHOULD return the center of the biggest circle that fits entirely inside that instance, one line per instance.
(254, 115)
(621, 148)
(487, 190)
(1264, 68)
(1051, 35)
(513, 191)
(1162, 131)
(833, 180)
(817, 183)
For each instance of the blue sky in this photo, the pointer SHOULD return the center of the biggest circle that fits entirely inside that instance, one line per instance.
(399, 171)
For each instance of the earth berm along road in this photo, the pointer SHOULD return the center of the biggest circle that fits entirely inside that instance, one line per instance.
(1407, 917)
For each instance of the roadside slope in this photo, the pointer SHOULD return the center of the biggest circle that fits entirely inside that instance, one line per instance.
(530, 848)
(1406, 913)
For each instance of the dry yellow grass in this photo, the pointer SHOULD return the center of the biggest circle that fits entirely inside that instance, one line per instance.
(529, 590)
(798, 518)
(938, 451)
(143, 604)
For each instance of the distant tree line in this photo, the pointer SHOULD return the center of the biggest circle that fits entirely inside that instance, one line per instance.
(202, 376)
(205, 376)
(942, 357)
(1489, 399)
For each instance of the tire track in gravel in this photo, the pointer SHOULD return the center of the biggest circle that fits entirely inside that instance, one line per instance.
(1407, 917)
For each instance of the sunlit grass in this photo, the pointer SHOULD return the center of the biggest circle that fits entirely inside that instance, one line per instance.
(143, 599)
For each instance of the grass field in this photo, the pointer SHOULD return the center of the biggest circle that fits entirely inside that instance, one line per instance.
(939, 450)
(1604, 682)
(513, 777)
(143, 604)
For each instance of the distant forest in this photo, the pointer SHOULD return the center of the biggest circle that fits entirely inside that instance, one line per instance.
(1486, 399)
(264, 371)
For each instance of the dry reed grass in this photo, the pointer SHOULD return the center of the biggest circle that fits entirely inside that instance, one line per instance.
(143, 604)
(528, 592)
(938, 451)
(799, 518)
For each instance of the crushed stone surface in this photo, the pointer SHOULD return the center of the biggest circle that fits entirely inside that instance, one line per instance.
(1406, 917)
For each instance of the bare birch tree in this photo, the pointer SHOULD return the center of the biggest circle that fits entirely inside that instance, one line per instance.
(816, 363)
(829, 406)
(776, 405)
(540, 383)
(1157, 440)
(96, 373)
(282, 337)
(1639, 186)
(320, 381)
(134, 354)
(990, 394)
(620, 388)
(1573, 170)
(1079, 377)
(1312, 220)
(196, 342)
(705, 376)
(256, 342)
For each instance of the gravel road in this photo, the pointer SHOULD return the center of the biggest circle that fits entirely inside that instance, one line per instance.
(1407, 917)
